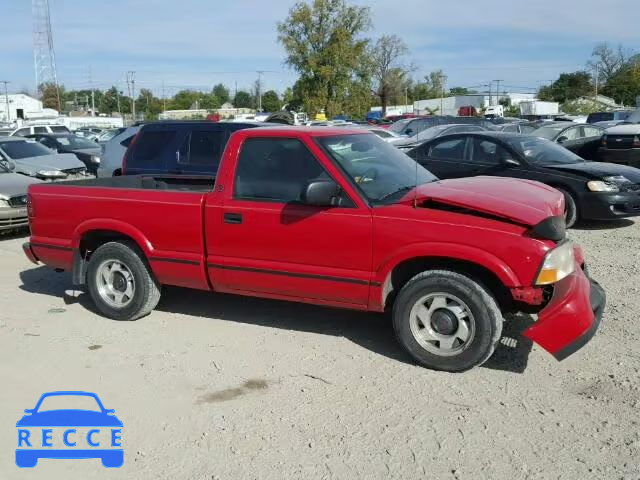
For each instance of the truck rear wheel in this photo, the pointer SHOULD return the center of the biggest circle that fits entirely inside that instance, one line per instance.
(121, 283)
(447, 321)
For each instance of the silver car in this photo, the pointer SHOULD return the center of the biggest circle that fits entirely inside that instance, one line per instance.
(13, 197)
(35, 160)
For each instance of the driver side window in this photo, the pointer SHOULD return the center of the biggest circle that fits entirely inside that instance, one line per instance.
(572, 133)
(275, 169)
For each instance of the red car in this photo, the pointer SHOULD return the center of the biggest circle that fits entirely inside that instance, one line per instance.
(336, 217)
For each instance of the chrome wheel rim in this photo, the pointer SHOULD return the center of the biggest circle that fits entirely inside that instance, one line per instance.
(116, 285)
(442, 324)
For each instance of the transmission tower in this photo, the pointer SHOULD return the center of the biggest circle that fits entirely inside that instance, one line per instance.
(44, 56)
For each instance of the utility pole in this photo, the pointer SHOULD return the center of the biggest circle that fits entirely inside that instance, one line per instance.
(597, 79)
(93, 97)
(259, 92)
(131, 86)
(164, 100)
(443, 79)
(497, 91)
(118, 101)
(6, 99)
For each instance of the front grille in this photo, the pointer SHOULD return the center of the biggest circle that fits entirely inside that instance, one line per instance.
(619, 141)
(18, 201)
(634, 187)
(74, 171)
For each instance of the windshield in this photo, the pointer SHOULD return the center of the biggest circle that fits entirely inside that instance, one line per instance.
(543, 152)
(549, 132)
(69, 402)
(26, 149)
(74, 142)
(382, 172)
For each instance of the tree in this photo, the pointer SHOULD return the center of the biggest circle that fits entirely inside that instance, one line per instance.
(109, 102)
(459, 91)
(569, 86)
(184, 99)
(243, 100)
(51, 95)
(431, 87)
(148, 104)
(210, 101)
(323, 43)
(221, 92)
(389, 72)
(271, 101)
(624, 84)
(606, 61)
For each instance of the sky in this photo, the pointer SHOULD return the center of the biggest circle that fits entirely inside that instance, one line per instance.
(173, 45)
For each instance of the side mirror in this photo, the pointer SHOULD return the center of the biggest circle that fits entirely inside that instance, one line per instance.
(510, 162)
(321, 193)
(562, 139)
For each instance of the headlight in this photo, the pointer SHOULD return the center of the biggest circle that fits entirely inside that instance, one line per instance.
(95, 159)
(558, 264)
(600, 186)
(52, 173)
(3, 203)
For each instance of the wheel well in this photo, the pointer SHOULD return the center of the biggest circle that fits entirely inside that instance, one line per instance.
(406, 270)
(93, 239)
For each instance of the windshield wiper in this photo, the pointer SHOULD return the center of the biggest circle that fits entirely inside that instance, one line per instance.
(404, 189)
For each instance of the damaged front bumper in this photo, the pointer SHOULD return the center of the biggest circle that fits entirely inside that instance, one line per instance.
(572, 316)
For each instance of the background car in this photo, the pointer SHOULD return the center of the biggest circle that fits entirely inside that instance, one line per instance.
(107, 135)
(35, 160)
(404, 143)
(617, 116)
(13, 197)
(583, 140)
(113, 152)
(87, 151)
(592, 190)
(384, 134)
(31, 129)
(518, 127)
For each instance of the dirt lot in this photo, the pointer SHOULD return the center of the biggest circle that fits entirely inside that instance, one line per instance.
(214, 386)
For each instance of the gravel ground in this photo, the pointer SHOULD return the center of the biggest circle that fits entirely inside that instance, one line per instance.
(220, 387)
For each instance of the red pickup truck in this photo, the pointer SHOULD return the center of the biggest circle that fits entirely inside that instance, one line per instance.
(331, 217)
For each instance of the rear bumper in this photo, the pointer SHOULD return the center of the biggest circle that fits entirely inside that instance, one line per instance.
(625, 156)
(28, 251)
(571, 318)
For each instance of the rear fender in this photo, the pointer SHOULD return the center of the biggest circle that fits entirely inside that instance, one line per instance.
(110, 225)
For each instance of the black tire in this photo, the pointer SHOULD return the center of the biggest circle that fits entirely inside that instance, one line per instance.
(487, 319)
(571, 210)
(146, 294)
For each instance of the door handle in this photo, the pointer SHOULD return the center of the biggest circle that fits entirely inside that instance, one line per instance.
(233, 218)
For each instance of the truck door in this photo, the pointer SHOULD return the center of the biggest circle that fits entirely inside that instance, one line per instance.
(264, 240)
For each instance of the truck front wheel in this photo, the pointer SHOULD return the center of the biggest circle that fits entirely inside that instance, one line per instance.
(121, 283)
(447, 321)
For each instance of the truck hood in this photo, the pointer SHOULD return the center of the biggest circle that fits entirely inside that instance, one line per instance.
(625, 129)
(56, 161)
(519, 201)
(14, 184)
(599, 170)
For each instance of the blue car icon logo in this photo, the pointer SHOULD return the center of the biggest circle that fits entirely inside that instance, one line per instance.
(88, 432)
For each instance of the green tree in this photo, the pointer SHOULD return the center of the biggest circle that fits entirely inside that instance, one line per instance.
(271, 101)
(109, 101)
(148, 104)
(459, 91)
(389, 72)
(323, 43)
(210, 102)
(184, 99)
(221, 93)
(243, 100)
(606, 60)
(431, 87)
(568, 86)
(624, 84)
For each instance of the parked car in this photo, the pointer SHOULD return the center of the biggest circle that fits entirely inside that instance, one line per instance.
(592, 190)
(384, 133)
(88, 131)
(180, 147)
(583, 140)
(407, 143)
(334, 217)
(107, 135)
(621, 144)
(412, 126)
(518, 127)
(87, 151)
(113, 152)
(13, 197)
(35, 160)
(617, 116)
(31, 129)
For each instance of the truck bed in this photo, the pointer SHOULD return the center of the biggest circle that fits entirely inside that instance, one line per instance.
(162, 213)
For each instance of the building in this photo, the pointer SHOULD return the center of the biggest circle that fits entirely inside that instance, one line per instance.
(451, 105)
(23, 107)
